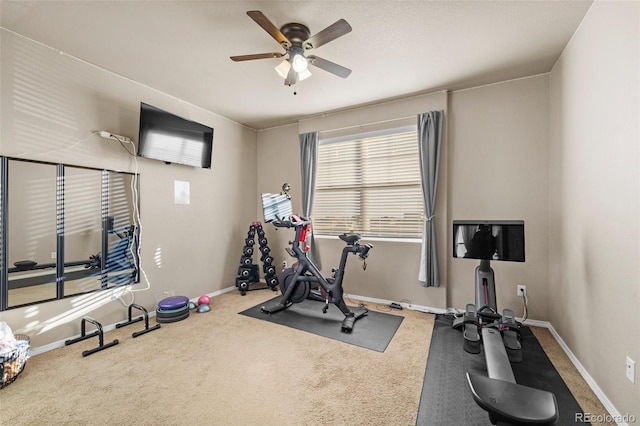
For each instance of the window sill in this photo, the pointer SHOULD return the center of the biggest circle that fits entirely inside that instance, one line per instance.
(379, 239)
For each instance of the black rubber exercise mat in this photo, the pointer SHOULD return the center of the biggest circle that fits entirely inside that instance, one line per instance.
(446, 398)
(373, 331)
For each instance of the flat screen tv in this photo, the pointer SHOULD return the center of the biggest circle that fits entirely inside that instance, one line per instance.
(166, 137)
(489, 239)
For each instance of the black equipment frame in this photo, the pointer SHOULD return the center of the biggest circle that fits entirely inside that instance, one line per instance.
(84, 336)
(131, 320)
(507, 402)
(306, 273)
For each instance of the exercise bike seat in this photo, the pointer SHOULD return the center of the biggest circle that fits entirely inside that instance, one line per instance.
(513, 403)
(350, 238)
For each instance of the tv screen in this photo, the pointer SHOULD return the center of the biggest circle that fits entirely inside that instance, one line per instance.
(172, 139)
(489, 239)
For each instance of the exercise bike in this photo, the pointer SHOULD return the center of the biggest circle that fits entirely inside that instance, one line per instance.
(304, 280)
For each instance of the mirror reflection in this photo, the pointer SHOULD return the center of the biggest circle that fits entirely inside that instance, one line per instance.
(31, 234)
(70, 230)
(82, 229)
(122, 231)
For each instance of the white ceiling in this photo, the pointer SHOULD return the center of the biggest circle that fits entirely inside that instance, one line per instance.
(396, 48)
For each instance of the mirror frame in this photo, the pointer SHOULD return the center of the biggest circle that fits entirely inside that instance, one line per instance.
(105, 220)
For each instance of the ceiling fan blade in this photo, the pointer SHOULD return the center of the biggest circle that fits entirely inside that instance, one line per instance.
(332, 32)
(268, 26)
(256, 56)
(329, 66)
(292, 77)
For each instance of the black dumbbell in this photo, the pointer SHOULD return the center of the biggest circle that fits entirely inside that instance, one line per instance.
(244, 272)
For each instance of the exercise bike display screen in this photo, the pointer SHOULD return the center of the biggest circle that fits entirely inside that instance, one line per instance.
(276, 207)
(489, 239)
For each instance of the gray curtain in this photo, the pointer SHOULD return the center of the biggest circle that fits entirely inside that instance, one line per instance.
(429, 141)
(308, 164)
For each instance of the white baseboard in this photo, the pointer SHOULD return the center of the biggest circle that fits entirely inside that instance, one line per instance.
(535, 323)
(583, 371)
(615, 414)
(406, 305)
(60, 343)
(218, 292)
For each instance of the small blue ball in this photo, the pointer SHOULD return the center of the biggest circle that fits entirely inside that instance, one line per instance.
(203, 308)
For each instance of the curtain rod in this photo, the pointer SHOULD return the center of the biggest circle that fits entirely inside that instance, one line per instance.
(391, 120)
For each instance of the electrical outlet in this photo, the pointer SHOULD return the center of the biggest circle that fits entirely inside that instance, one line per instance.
(53, 255)
(522, 290)
(631, 370)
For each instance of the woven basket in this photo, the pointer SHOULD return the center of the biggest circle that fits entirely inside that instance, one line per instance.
(12, 365)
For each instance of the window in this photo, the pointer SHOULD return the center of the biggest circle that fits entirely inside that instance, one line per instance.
(369, 184)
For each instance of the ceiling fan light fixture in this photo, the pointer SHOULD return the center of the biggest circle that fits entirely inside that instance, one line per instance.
(304, 75)
(299, 63)
(283, 68)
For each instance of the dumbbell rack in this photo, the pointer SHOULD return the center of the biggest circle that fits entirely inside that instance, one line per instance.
(248, 272)
(268, 269)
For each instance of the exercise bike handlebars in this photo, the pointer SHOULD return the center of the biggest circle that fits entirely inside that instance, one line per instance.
(293, 222)
(299, 222)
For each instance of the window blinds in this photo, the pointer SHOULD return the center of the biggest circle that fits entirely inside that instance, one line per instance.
(369, 185)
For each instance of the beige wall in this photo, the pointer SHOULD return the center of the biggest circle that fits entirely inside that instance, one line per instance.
(32, 212)
(594, 233)
(498, 154)
(278, 162)
(51, 104)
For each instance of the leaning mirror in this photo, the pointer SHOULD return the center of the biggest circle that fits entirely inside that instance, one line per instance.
(66, 230)
(122, 230)
(82, 229)
(31, 234)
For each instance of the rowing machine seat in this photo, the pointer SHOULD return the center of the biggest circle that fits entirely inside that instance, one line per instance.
(24, 265)
(512, 403)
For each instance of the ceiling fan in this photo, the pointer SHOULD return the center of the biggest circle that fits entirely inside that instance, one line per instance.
(296, 40)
